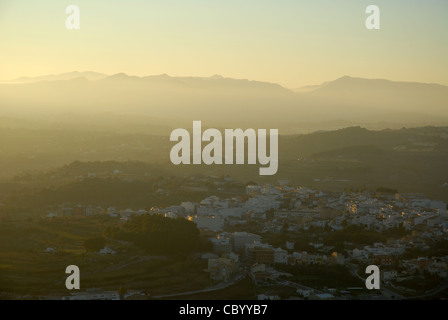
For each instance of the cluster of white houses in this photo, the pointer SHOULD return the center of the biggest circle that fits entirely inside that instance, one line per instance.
(302, 209)
(228, 247)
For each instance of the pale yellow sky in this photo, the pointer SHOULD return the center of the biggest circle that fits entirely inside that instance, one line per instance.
(290, 42)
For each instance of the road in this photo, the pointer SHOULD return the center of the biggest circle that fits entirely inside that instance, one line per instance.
(134, 260)
(297, 285)
(385, 292)
(440, 288)
(240, 276)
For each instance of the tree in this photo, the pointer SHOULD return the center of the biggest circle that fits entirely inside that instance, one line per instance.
(122, 292)
(94, 244)
(159, 235)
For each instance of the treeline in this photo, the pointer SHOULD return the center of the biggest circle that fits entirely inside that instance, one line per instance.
(108, 168)
(321, 275)
(105, 192)
(94, 244)
(386, 190)
(157, 234)
(355, 234)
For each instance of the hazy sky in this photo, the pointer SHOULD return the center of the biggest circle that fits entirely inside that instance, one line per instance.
(290, 42)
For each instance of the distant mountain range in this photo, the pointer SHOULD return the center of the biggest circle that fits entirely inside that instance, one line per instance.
(89, 75)
(410, 96)
(230, 102)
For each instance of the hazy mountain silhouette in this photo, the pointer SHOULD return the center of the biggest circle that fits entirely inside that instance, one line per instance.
(384, 94)
(224, 101)
(90, 75)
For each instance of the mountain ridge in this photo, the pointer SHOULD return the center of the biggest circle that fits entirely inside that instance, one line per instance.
(92, 76)
(241, 102)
